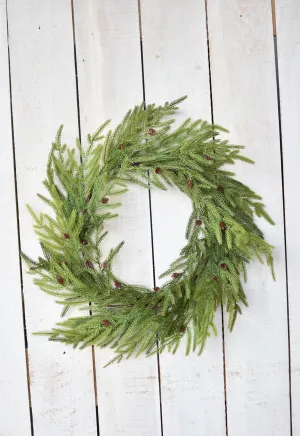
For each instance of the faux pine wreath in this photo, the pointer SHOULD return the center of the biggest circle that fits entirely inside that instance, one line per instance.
(221, 235)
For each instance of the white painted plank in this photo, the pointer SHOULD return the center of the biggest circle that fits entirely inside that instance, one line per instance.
(175, 64)
(43, 96)
(14, 402)
(245, 101)
(110, 82)
(288, 43)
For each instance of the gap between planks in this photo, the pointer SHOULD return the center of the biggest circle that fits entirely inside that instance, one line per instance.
(273, 6)
(150, 217)
(222, 308)
(18, 229)
(79, 136)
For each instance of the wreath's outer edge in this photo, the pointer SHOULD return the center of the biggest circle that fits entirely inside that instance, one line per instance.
(222, 236)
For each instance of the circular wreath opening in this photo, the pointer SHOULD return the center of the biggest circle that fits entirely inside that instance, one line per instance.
(221, 234)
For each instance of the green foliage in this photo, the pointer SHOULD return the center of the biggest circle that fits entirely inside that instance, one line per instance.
(221, 234)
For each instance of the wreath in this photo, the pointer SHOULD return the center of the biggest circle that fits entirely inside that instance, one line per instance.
(221, 235)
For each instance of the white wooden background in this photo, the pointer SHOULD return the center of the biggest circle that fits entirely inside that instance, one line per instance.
(78, 63)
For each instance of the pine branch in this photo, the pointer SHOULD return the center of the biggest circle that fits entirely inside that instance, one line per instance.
(222, 236)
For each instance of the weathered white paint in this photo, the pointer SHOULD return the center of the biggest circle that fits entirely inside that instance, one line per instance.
(245, 101)
(13, 379)
(43, 97)
(288, 43)
(110, 83)
(175, 64)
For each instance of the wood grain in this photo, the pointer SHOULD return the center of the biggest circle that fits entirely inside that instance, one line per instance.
(13, 377)
(245, 101)
(110, 83)
(175, 64)
(43, 97)
(288, 44)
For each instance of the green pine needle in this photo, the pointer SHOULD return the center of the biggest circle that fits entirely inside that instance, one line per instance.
(222, 235)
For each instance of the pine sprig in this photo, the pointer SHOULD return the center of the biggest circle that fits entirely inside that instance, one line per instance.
(222, 236)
